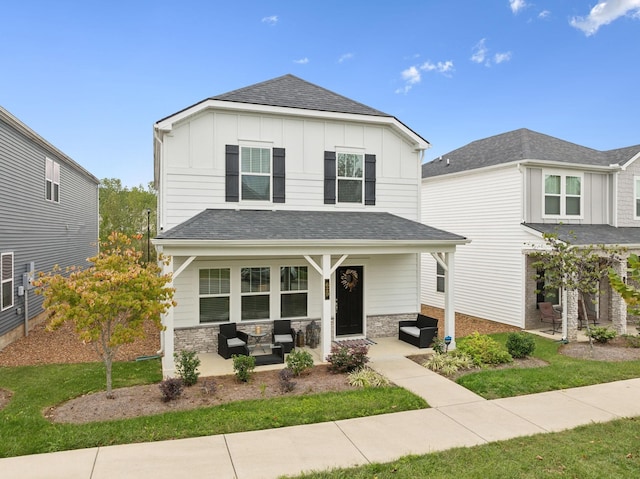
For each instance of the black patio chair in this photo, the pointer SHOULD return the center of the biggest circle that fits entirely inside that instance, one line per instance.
(231, 341)
(283, 334)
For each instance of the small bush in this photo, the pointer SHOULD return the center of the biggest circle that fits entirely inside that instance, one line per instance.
(299, 361)
(601, 334)
(439, 346)
(520, 345)
(631, 340)
(484, 350)
(449, 364)
(187, 363)
(366, 377)
(243, 366)
(344, 359)
(286, 384)
(171, 389)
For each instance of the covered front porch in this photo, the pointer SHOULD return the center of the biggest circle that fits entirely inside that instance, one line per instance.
(360, 274)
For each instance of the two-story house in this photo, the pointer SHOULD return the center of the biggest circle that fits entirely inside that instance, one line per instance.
(48, 216)
(284, 200)
(504, 192)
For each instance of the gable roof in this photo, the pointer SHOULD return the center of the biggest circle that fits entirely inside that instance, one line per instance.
(269, 225)
(523, 144)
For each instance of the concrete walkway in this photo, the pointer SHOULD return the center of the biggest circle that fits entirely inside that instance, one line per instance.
(457, 418)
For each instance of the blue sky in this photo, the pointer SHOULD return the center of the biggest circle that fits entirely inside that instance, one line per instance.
(93, 76)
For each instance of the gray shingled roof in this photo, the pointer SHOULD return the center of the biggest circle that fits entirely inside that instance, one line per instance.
(261, 225)
(590, 234)
(292, 92)
(522, 144)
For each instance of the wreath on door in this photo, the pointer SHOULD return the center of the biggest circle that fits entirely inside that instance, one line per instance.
(349, 279)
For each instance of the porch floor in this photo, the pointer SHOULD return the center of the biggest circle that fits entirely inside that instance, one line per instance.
(544, 331)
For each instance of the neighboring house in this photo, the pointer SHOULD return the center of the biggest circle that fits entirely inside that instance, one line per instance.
(49, 216)
(286, 200)
(503, 193)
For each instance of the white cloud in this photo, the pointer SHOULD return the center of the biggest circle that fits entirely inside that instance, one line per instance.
(440, 67)
(345, 57)
(270, 20)
(544, 14)
(479, 51)
(413, 74)
(604, 13)
(517, 5)
(302, 61)
(501, 57)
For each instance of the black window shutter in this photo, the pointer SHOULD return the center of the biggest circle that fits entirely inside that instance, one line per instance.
(329, 177)
(278, 175)
(369, 179)
(232, 172)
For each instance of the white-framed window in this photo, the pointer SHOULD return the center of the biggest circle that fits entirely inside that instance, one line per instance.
(255, 286)
(562, 194)
(294, 286)
(6, 283)
(52, 180)
(214, 294)
(636, 196)
(255, 174)
(350, 177)
(440, 278)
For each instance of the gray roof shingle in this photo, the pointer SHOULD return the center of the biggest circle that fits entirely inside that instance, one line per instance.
(590, 234)
(263, 225)
(522, 144)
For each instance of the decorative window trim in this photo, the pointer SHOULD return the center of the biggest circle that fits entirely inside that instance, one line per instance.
(353, 176)
(52, 181)
(244, 173)
(332, 180)
(636, 197)
(7, 273)
(440, 278)
(234, 173)
(563, 195)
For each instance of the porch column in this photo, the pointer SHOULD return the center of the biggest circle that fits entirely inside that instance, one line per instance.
(571, 307)
(326, 306)
(449, 303)
(168, 365)
(617, 305)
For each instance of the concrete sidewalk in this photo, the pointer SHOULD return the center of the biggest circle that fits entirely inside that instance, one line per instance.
(457, 418)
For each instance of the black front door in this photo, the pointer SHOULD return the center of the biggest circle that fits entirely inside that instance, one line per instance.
(349, 299)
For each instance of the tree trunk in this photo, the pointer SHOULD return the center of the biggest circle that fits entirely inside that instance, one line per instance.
(108, 363)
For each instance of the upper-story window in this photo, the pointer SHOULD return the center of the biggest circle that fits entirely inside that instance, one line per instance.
(52, 181)
(562, 195)
(350, 176)
(255, 174)
(6, 283)
(636, 191)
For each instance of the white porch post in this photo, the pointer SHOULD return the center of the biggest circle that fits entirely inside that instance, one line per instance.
(326, 306)
(168, 365)
(449, 302)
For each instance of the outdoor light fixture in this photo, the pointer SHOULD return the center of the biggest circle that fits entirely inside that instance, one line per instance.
(447, 342)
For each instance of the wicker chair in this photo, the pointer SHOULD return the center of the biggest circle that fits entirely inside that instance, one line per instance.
(231, 341)
(420, 332)
(283, 334)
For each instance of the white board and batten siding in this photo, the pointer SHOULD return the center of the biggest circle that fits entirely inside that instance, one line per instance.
(193, 162)
(487, 208)
(627, 195)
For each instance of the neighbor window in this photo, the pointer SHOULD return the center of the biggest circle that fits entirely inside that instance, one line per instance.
(254, 292)
(350, 177)
(6, 285)
(440, 278)
(544, 293)
(637, 196)
(255, 172)
(52, 183)
(293, 291)
(562, 195)
(214, 287)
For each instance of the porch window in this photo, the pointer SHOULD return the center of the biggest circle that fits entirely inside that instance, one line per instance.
(440, 278)
(52, 180)
(254, 292)
(350, 177)
(293, 291)
(637, 196)
(214, 288)
(6, 285)
(546, 295)
(562, 195)
(255, 173)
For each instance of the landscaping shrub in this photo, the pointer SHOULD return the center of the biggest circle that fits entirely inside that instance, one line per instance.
(632, 340)
(484, 350)
(450, 363)
(439, 346)
(286, 384)
(520, 345)
(171, 389)
(601, 334)
(299, 361)
(366, 377)
(344, 359)
(187, 363)
(243, 366)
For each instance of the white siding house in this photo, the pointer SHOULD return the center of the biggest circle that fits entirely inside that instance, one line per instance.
(499, 192)
(270, 196)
